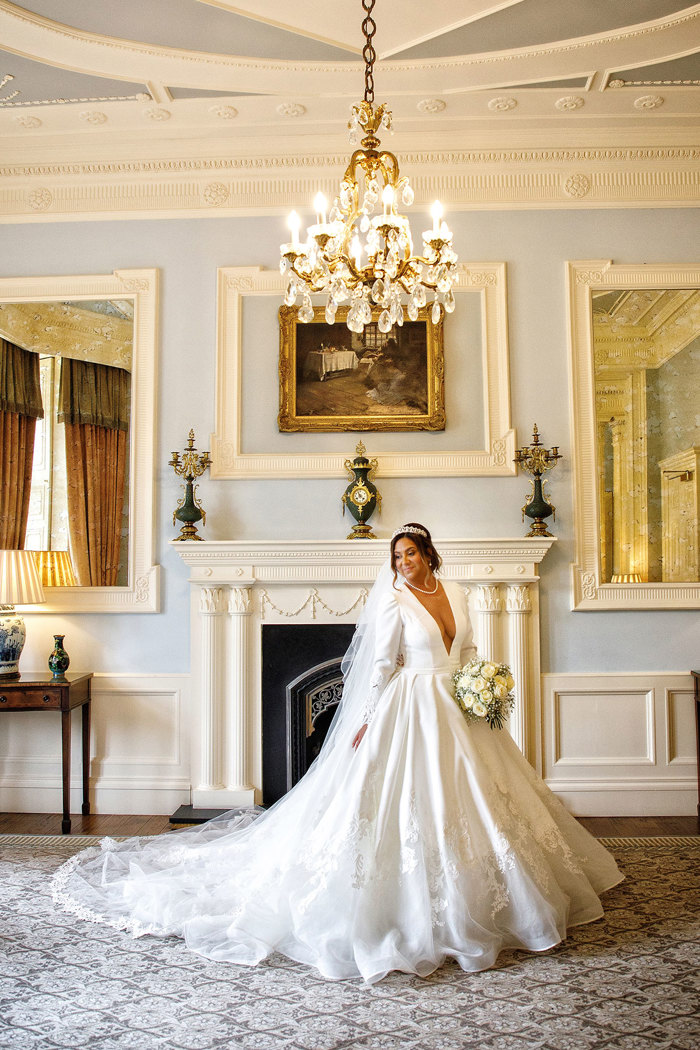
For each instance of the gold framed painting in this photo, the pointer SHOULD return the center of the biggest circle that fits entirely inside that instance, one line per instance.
(334, 379)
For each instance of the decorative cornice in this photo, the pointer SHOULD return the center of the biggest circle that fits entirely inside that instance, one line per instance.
(168, 187)
(418, 159)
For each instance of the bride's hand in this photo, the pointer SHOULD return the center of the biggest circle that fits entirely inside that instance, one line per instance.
(358, 736)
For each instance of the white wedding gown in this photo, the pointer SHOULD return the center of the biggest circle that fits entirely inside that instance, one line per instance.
(434, 840)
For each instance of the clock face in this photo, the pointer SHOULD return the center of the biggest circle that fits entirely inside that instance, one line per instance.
(360, 496)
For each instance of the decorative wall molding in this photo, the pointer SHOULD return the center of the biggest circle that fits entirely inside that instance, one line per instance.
(142, 593)
(326, 582)
(588, 592)
(575, 177)
(140, 761)
(620, 743)
(487, 280)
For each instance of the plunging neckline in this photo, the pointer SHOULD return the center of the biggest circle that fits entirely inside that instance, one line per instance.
(417, 600)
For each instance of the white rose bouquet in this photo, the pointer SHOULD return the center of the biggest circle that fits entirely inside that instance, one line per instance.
(484, 690)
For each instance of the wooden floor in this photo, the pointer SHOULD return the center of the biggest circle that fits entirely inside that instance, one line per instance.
(106, 824)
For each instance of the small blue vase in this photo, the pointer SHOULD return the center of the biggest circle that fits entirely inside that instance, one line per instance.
(59, 659)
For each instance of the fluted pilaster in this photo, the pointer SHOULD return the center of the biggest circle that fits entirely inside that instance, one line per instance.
(237, 722)
(488, 606)
(518, 606)
(212, 608)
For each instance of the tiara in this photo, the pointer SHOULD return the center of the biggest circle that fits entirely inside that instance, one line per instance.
(409, 528)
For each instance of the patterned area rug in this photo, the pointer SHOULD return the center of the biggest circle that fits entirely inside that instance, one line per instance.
(629, 982)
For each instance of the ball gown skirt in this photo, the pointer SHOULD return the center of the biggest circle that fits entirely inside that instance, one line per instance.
(435, 839)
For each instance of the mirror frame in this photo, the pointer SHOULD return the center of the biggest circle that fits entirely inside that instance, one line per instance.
(142, 594)
(588, 593)
(493, 459)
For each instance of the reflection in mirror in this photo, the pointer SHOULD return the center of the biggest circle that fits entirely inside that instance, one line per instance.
(65, 400)
(646, 345)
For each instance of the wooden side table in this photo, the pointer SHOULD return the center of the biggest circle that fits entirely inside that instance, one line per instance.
(696, 684)
(40, 692)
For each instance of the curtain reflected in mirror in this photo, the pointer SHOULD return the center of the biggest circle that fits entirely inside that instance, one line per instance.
(65, 406)
(647, 395)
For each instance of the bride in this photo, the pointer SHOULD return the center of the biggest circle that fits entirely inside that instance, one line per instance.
(413, 838)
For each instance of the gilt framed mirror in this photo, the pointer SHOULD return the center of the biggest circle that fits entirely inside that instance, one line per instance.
(635, 384)
(89, 344)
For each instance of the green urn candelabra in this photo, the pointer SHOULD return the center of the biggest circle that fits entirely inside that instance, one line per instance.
(361, 496)
(189, 510)
(536, 460)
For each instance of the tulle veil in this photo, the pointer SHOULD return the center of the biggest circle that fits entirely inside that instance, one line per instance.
(79, 885)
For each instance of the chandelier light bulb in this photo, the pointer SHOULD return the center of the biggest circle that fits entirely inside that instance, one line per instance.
(320, 207)
(356, 249)
(361, 251)
(294, 224)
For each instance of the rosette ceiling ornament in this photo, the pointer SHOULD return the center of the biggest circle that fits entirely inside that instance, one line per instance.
(361, 250)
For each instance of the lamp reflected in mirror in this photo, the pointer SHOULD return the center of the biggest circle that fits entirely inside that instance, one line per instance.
(19, 585)
(55, 568)
(646, 344)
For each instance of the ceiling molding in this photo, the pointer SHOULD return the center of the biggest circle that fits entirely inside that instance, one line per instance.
(63, 46)
(467, 179)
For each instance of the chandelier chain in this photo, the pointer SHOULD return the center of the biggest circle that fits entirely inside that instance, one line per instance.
(369, 28)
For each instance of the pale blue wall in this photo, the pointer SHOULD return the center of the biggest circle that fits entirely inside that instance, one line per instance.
(535, 246)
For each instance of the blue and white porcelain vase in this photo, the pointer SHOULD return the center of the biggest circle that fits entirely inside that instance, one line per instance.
(12, 636)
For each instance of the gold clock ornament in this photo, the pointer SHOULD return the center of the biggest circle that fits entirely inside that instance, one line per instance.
(361, 496)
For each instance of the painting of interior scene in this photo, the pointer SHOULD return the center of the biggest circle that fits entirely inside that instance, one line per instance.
(367, 376)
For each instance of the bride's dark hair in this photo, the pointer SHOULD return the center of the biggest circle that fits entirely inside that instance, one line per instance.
(424, 543)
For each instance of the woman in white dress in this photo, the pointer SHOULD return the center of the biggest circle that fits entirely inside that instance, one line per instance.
(415, 837)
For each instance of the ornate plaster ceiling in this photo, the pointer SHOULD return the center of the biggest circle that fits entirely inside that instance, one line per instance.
(174, 69)
(172, 107)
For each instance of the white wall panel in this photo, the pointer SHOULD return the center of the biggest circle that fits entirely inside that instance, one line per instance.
(620, 744)
(139, 751)
(603, 728)
(680, 727)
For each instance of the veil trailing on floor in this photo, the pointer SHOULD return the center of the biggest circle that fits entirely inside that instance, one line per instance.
(136, 866)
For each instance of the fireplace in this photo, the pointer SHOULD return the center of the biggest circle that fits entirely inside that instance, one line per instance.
(301, 687)
(240, 588)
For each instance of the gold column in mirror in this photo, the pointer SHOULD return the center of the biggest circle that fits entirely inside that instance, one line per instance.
(646, 349)
(635, 387)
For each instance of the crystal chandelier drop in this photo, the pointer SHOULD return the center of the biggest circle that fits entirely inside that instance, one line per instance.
(361, 251)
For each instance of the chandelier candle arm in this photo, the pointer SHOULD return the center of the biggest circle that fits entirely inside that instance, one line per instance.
(363, 223)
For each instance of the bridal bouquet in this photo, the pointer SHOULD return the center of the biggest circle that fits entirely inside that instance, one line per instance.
(484, 690)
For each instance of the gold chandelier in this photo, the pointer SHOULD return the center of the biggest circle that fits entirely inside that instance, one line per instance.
(361, 251)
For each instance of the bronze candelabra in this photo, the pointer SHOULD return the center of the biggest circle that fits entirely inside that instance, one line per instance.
(189, 510)
(536, 460)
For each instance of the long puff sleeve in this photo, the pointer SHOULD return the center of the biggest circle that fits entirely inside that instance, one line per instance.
(388, 641)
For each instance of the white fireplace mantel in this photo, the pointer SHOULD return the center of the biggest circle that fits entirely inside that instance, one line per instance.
(238, 585)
